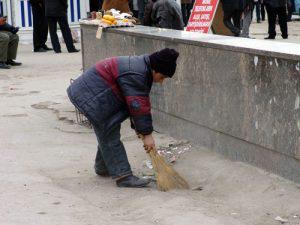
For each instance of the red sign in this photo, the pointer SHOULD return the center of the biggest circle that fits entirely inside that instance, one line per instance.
(202, 15)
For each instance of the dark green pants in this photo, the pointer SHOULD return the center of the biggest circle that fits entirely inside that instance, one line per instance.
(8, 46)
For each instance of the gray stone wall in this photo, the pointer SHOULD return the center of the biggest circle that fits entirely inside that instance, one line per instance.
(240, 101)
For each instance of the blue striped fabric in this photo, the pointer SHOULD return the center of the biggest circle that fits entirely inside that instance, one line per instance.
(1, 8)
(78, 10)
(72, 10)
(29, 14)
(23, 14)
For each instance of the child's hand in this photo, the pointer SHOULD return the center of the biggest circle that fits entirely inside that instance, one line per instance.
(149, 142)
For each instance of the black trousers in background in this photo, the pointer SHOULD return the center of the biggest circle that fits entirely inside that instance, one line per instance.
(141, 5)
(234, 27)
(186, 12)
(282, 19)
(257, 10)
(65, 30)
(40, 26)
(95, 5)
(135, 13)
(262, 11)
(291, 9)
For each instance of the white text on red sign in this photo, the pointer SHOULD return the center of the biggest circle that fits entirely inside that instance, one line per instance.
(201, 17)
(203, 8)
(206, 2)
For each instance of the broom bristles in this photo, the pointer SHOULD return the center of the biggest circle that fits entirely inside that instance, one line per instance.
(167, 177)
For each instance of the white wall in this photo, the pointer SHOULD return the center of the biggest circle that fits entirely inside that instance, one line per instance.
(6, 9)
(21, 12)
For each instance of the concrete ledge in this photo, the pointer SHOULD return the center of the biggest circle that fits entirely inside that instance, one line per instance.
(245, 45)
(237, 96)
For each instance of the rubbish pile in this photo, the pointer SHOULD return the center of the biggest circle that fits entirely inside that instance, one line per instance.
(170, 152)
(173, 151)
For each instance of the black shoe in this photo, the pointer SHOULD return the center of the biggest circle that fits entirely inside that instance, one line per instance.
(73, 50)
(13, 63)
(132, 182)
(45, 47)
(101, 171)
(57, 51)
(284, 36)
(271, 38)
(258, 21)
(39, 50)
(4, 66)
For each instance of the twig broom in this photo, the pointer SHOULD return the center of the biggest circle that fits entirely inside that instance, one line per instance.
(167, 178)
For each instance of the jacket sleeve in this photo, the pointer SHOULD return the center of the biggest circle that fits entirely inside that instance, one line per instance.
(136, 94)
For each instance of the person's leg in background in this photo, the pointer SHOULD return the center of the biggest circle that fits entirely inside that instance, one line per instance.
(133, 5)
(262, 11)
(257, 9)
(4, 41)
(52, 22)
(189, 9)
(237, 17)
(40, 28)
(12, 49)
(141, 5)
(228, 23)
(293, 6)
(9, 43)
(290, 6)
(135, 13)
(184, 13)
(44, 29)
(37, 20)
(66, 32)
(271, 21)
(246, 23)
(282, 19)
(100, 2)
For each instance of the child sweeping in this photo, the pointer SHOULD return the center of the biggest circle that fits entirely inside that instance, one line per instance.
(110, 92)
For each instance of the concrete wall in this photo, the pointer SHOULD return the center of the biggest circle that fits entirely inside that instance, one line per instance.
(236, 96)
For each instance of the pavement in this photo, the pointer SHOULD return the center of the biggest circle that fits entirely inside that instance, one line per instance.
(260, 31)
(46, 165)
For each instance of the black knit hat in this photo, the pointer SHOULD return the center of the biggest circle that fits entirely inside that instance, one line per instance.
(164, 61)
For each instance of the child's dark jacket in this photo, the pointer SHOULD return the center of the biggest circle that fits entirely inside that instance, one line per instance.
(115, 89)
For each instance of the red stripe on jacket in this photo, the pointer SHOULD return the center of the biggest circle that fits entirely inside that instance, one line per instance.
(108, 70)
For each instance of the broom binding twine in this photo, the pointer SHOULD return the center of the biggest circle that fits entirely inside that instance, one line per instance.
(166, 176)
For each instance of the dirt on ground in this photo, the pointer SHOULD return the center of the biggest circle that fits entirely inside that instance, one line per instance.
(47, 177)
